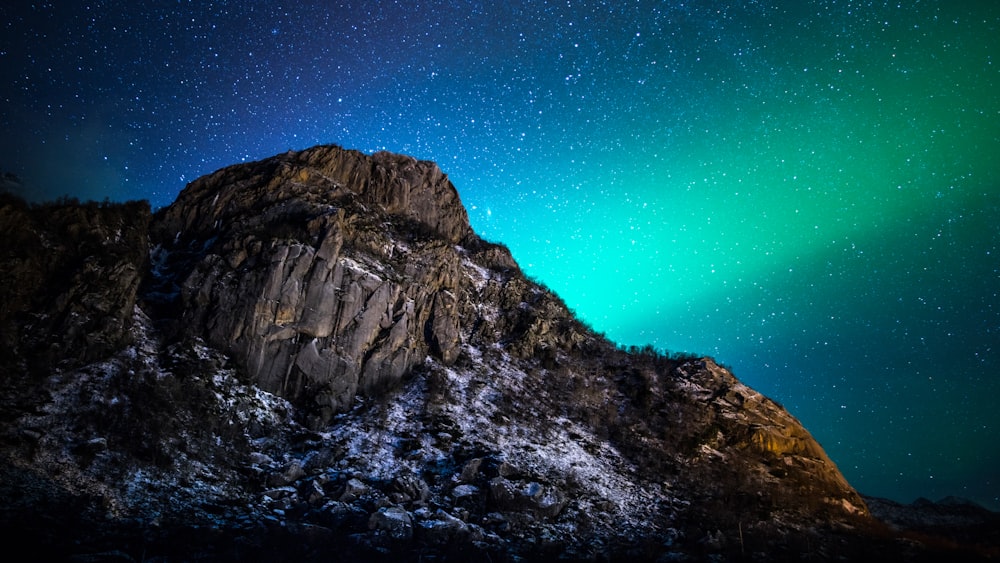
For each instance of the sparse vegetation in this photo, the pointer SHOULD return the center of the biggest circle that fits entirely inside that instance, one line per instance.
(48, 252)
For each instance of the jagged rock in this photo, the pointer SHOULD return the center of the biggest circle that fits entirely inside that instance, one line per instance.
(394, 521)
(319, 459)
(69, 274)
(463, 491)
(440, 528)
(444, 327)
(411, 488)
(470, 471)
(314, 492)
(259, 458)
(292, 472)
(544, 501)
(506, 469)
(286, 267)
(353, 490)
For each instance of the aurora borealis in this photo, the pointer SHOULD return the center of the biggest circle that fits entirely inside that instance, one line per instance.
(806, 190)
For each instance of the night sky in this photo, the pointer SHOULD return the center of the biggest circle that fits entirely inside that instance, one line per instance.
(806, 190)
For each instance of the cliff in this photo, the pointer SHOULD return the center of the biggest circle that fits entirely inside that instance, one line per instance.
(314, 356)
(69, 275)
(324, 272)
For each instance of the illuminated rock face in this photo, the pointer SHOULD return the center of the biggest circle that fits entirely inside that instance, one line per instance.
(328, 323)
(326, 272)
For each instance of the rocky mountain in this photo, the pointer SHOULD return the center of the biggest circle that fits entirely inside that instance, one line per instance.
(949, 522)
(314, 357)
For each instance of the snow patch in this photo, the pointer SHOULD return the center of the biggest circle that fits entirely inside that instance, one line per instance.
(358, 267)
(479, 275)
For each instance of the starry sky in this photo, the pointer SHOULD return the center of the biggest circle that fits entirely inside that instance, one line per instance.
(808, 190)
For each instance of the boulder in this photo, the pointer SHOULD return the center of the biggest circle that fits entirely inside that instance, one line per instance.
(393, 521)
(512, 496)
(440, 528)
(353, 490)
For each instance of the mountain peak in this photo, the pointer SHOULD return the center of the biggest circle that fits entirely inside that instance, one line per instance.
(314, 353)
(326, 272)
(398, 185)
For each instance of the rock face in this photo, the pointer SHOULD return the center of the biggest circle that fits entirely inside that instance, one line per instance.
(69, 274)
(325, 360)
(326, 272)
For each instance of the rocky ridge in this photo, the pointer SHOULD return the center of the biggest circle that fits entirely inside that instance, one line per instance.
(314, 356)
(272, 282)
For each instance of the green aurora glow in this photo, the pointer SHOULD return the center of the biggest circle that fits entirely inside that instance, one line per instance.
(830, 234)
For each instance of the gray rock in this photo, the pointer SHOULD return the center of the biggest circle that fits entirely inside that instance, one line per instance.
(470, 471)
(292, 472)
(412, 488)
(441, 528)
(393, 521)
(314, 492)
(545, 501)
(317, 320)
(465, 490)
(353, 490)
(258, 458)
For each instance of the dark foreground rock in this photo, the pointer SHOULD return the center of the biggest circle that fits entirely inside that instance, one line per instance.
(319, 360)
(69, 274)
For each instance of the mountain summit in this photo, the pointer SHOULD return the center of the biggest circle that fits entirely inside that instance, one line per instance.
(314, 357)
